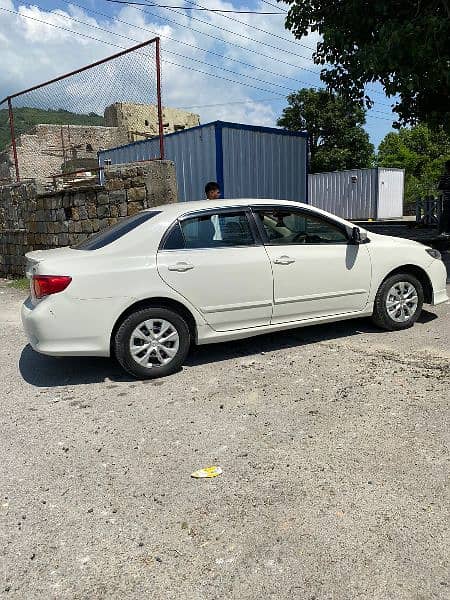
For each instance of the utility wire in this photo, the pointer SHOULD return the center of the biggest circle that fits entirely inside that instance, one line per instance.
(212, 52)
(213, 10)
(197, 48)
(280, 37)
(184, 56)
(275, 6)
(263, 101)
(84, 35)
(296, 54)
(249, 101)
(296, 43)
(168, 20)
(71, 31)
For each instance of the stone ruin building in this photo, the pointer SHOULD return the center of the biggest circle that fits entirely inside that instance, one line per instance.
(48, 150)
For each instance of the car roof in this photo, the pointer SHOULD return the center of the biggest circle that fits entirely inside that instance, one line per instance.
(180, 208)
(177, 209)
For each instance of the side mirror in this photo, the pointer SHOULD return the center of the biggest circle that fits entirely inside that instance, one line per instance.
(358, 236)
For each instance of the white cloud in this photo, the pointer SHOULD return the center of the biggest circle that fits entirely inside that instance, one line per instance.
(33, 51)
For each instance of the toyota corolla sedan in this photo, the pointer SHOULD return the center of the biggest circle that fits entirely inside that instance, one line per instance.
(202, 272)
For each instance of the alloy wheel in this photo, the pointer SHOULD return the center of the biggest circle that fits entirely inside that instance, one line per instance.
(154, 343)
(402, 301)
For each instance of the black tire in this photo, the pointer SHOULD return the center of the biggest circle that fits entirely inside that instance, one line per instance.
(380, 315)
(125, 332)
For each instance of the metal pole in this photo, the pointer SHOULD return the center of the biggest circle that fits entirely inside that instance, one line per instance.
(158, 91)
(13, 138)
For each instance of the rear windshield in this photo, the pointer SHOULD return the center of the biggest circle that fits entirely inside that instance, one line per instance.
(111, 234)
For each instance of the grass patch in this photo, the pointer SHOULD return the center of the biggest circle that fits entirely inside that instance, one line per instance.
(20, 284)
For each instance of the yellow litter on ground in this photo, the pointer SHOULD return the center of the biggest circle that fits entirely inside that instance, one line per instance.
(207, 472)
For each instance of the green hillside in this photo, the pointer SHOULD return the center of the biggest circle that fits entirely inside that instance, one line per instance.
(25, 118)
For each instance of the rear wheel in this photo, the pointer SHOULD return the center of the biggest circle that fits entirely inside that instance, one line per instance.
(152, 342)
(399, 302)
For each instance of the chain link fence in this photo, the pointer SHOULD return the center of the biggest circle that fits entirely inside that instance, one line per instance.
(53, 131)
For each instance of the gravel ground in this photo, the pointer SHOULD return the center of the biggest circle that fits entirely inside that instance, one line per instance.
(334, 445)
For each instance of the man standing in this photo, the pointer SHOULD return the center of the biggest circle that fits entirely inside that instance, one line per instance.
(444, 187)
(212, 190)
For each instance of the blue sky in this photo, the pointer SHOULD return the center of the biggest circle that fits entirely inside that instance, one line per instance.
(255, 68)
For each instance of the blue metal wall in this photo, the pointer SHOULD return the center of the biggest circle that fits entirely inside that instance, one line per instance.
(247, 161)
(264, 163)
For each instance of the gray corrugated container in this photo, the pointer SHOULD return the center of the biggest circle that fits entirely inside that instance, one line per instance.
(359, 194)
(246, 161)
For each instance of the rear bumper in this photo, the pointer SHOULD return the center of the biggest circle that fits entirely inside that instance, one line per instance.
(60, 326)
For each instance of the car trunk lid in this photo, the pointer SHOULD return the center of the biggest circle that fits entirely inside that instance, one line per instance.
(36, 260)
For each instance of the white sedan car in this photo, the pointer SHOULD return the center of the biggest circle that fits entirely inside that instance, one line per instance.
(203, 272)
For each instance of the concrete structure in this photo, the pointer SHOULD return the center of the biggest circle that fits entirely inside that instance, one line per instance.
(246, 161)
(48, 150)
(31, 219)
(140, 121)
(359, 194)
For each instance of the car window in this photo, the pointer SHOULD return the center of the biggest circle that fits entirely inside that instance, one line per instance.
(294, 227)
(211, 231)
(174, 239)
(111, 234)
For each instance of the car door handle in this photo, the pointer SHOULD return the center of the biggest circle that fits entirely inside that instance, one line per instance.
(181, 267)
(284, 260)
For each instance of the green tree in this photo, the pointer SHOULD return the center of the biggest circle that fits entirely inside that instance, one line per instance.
(336, 136)
(404, 44)
(422, 153)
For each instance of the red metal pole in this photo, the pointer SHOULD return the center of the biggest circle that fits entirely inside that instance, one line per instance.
(158, 91)
(13, 138)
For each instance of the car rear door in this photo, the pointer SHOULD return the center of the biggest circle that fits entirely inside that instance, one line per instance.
(215, 259)
(317, 271)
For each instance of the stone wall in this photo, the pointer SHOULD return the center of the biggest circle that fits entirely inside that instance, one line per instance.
(32, 220)
(15, 200)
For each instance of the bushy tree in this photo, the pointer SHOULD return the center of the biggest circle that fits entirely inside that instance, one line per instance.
(421, 152)
(403, 44)
(337, 139)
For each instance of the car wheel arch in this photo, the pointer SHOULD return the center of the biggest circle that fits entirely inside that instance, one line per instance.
(160, 302)
(417, 272)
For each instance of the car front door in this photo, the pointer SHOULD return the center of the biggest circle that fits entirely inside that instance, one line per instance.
(215, 260)
(317, 270)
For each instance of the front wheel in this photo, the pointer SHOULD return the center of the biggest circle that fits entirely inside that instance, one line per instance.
(152, 342)
(398, 303)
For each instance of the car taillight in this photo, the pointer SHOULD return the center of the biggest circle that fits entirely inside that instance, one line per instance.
(44, 285)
